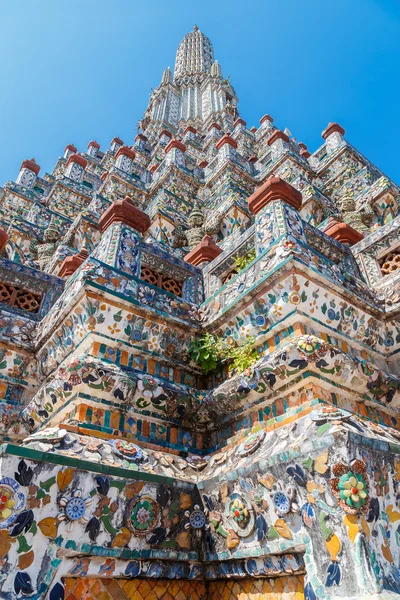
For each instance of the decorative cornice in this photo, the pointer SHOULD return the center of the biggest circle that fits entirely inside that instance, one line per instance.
(78, 159)
(343, 232)
(277, 135)
(205, 251)
(175, 144)
(332, 128)
(71, 263)
(125, 151)
(124, 211)
(273, 189)
(226, 139)
(31, 165)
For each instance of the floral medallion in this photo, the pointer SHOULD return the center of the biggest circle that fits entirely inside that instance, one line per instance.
(128, 450)
(240, 515)
(311, 348)
(351, 486)
(151, 392)
(251, 443)
(73, 509)
(196, 520)
(11, 500)
(143, 515)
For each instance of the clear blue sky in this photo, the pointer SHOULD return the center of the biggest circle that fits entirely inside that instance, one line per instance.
(82, 69)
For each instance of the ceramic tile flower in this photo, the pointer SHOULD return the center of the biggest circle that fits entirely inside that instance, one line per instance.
(143, 515)
(240, 514)
(11, 500)
(351, 486)
(73, 509)
(150, 389)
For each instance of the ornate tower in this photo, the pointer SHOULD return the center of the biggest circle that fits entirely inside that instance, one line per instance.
(199, 372)
(196, 94)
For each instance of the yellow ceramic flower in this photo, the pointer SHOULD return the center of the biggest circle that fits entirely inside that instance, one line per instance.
(7, 503)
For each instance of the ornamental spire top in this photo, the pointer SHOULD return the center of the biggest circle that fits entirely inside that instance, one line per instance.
(195, 54)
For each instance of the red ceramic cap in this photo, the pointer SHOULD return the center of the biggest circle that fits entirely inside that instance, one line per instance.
(31, 165)
(77, 158)
(124, 211)
(273, 189)
(266, 118)
(175, 144)
(166, 132)
(342, 232)
(117, 140)
(3, 239)
(140, 136)
(125, 151)
(277, 135)
(305, 153)
(332, 128)
(206, 251)
(203, 164)
(70, 147)
(239, 121)
(215, 125)
(94, 144)
(226, 139)
(190, 129)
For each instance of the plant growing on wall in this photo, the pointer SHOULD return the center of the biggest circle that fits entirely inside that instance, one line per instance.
(241, 262)
(212, 351)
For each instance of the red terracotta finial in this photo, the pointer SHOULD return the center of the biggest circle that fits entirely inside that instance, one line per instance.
(141, 137)
(174, 144)
(266, 118)
(94, 144)
(214, 126)
(253, 129)
(3, 239)
(277, 135)
(305, 153)
(125, 151)
(332, 128)
(206, 251)
(77, 158)
(203, 164)
(240, 121)
(71, 148)
(166, 132)
(71, 263)
(273, 189)
(342, 232)
(226, 139)
(124, 211)
(31, 165)
(190, 129)
(117, 140)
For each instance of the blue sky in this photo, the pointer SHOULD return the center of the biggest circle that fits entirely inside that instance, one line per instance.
(80, 70)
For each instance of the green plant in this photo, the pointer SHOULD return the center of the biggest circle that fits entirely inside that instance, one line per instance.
(206, 351)
(242, 357)
(241, 262)
(211, 351)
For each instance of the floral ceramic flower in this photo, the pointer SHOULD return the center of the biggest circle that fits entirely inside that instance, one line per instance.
(150, 389)
(311, 347)
(146, 294)
(351, 486)
(239, 512)
(74, 509)
(143, 514)
(11, 500)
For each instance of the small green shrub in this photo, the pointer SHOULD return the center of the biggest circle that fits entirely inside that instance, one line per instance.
(241, 262)
(211, 351)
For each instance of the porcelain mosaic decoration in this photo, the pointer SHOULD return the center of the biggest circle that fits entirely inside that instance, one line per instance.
(200, 383)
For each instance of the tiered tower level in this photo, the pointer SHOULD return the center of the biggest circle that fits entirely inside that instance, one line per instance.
(199, 361)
